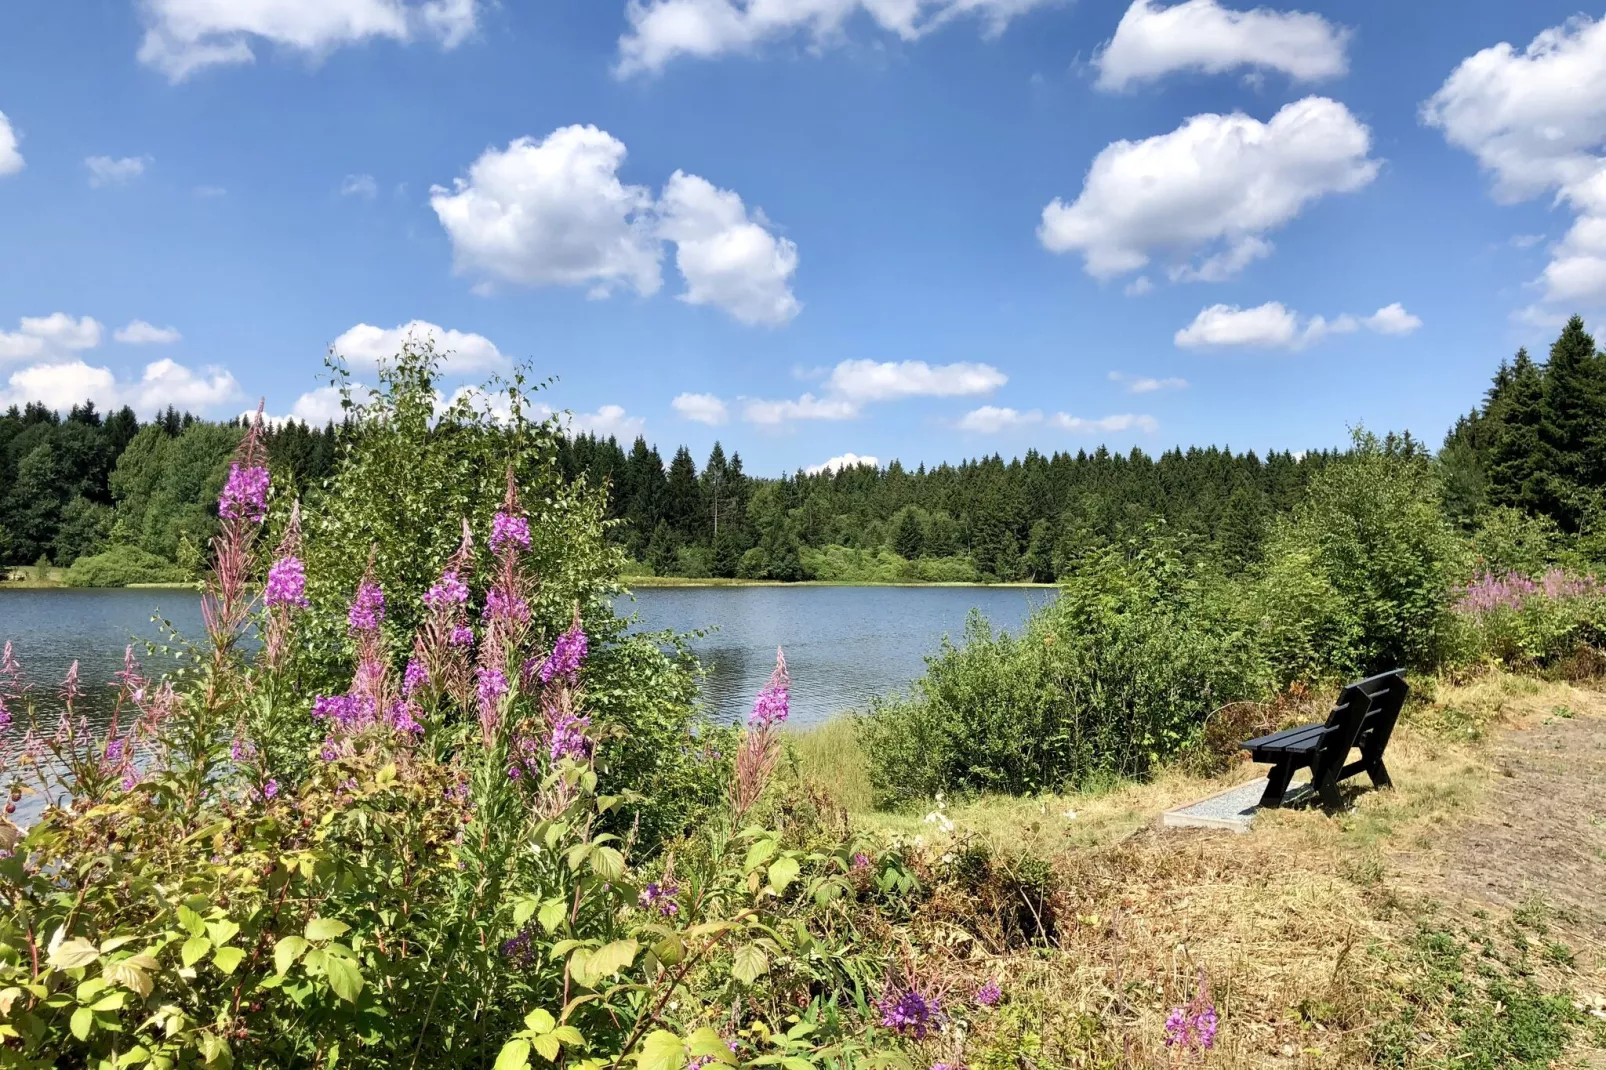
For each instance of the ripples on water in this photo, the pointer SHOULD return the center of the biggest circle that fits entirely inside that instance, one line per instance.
(843, 644)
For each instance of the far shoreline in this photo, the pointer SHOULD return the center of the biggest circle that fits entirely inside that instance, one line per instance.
(627, 582)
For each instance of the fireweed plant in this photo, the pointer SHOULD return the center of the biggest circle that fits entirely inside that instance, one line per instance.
(439, 824)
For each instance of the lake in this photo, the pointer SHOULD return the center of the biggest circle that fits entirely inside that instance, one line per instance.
(843, 644)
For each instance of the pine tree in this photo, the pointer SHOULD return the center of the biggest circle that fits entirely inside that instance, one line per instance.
(1572, 427)
(1514, 457)
(909, 537)
(683, 497)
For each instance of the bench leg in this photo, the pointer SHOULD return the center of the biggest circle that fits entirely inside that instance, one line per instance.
(1276, 784)
(1379, 773)
(1327, 786)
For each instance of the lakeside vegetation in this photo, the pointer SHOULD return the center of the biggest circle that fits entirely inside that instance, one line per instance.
(450, 813)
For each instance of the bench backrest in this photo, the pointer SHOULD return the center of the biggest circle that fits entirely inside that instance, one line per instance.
(1370, 705)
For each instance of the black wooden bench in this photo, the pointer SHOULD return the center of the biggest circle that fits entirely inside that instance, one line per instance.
(1363, 718)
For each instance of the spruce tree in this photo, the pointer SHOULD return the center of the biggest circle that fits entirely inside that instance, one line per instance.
(1572, 427)
(1514, 458)
(909, 538)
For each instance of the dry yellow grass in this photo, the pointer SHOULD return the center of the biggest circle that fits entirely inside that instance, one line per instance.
(1309, 928)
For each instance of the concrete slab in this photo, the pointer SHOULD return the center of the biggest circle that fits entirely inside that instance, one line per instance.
(1233, 809)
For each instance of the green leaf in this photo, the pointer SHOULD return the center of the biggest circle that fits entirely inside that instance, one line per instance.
(228, 959)
(131, 977)
(222, 931)
(547, 1047)
(608, 863)
(783, 871)
(670, 950)
(758, 854)
(540, 1021)
(568, 1034)
(193, 950)
(286, 951)
(515, 1055)
(610, 958)
(326, 928)
(72, 954)
(82, 1019)
(193, 923)
(551, 914)
(112, 1001)
(662, 1050)
(524, 909)
(749, 963)
(707, 1042)
(344, 977)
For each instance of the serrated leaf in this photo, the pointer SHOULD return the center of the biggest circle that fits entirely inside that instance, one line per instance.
(71, 954)
(286, 951)
(143, 961)
(670, 950)
(568, 1034)
(193, 923)
(228, 959)
(130, 977)
(551, 914)
(749, 963)
(515, 1055)
(662, 1050)
(344, 977)
(108, 946)
(540, 1021)
(547, 1047)
(524, 909)
(222, 932)
(783, 871)
(194, 949)
(707, 1043)
(111, 1001)
(326, 928)
(82, 1019)
(608, 863)
(612, 957)
(7, 998)
(758, 854)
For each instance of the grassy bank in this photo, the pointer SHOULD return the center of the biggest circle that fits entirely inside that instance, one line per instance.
(682, 581)
(1368, 938)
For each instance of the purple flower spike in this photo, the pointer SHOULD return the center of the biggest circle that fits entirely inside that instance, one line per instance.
(450, 590)
(367, 609)
(569, 739)
(414, 677)
(989, 994)
(287, 584)
(509, 530)
(909, 1012)
(270, 789)
(245, 495)
(568, 653)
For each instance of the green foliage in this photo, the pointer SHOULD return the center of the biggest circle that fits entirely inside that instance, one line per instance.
(166, 486)
(1510, 540)
(120, 566)
(1113, 676)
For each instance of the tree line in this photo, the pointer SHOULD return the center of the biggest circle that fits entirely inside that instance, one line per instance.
(1535, 446)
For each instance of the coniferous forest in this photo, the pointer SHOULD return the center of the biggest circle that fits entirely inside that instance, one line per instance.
(135, 501)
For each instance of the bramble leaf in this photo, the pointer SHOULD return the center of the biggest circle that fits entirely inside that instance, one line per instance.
(326, 928)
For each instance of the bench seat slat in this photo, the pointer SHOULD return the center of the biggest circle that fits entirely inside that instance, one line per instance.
(1288, 739)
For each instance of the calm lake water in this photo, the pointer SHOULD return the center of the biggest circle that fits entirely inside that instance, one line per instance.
(843, 644)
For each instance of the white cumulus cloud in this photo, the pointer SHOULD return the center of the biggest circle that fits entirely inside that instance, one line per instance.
(110, 171)
(555, 212)
(10, 158)
(846, 460)
(728, 260)
(362, 186)
(662, 30)
(55, 335)
(140, 333)
(1217, 185)
(868, 380)
(991, 419)
(164, 382)
(1535, 119)
(807, 407)
(1274, 326)
(1125, 421)
(185, 36)
(462, 353)
(609, 421)
(701, 408)
(1153, 41)
(1145, 384)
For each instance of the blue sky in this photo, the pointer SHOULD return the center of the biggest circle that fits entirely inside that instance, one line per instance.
(923, 229)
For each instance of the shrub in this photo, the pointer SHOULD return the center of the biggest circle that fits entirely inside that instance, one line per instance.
(1118, 673)
(1526, 623)
(120, 566)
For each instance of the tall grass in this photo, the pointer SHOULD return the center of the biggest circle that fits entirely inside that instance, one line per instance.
(830, 756)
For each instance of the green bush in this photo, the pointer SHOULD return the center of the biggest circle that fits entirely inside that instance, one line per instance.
(1115, 675)
(120, 566)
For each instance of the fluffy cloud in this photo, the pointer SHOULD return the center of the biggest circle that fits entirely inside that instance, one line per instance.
(1392, 319)
(609, 421)
(868, 380)
(463, 353)
(555, 212)
(662, 30)
(140, 333)
(315, 408)
(55, 335)
(184, 36)
(852, 384)
(1273, 326)
(1217, 184)
(846, 460)
(164, 382)
(10, 158)
(107, 171)
(1201, 35)
(807, 407)
(728, 260)
(359, 186)
(1535, 119)
(990, 419)
(1147, 384)
(701, 408)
